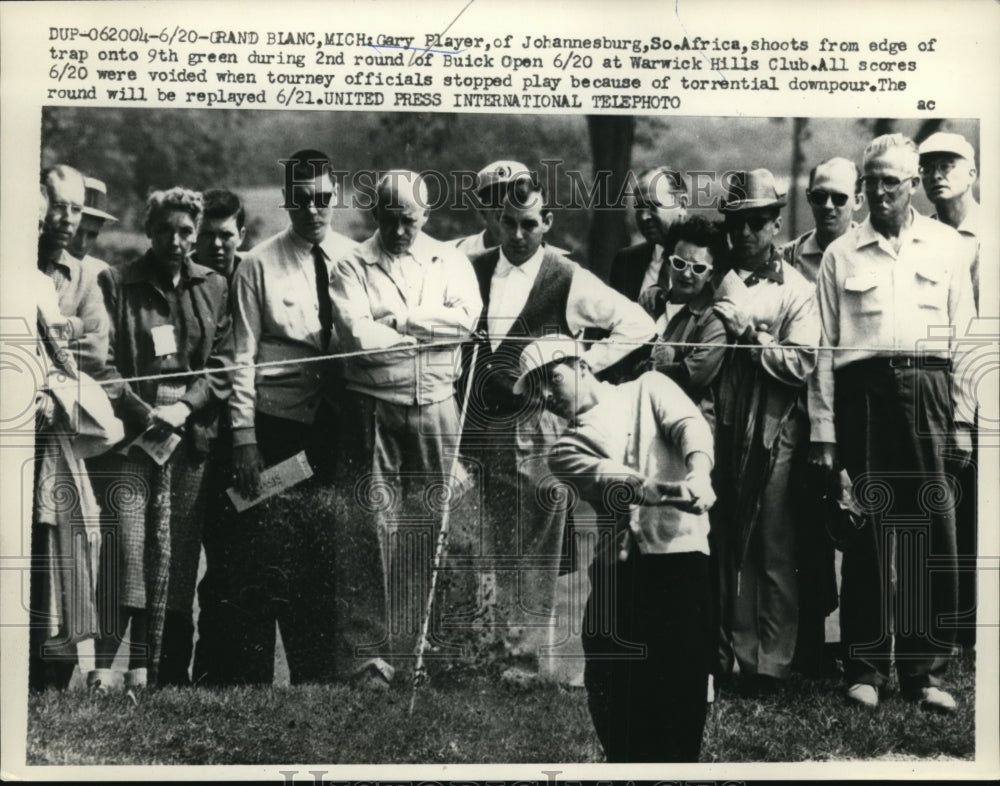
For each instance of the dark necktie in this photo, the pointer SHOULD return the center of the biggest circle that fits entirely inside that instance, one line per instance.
(323, 296)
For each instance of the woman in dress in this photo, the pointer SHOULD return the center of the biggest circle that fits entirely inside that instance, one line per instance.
(169, 321)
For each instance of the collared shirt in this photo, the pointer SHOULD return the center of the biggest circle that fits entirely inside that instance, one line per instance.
(276, 317)
(82, 304)
(805, 255)
(428, 294)
(969, 229)
(652, 275)
(591, 304)
(877, 301)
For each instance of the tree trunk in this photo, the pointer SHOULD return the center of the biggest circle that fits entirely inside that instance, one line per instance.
(611, 140)
(800, 131)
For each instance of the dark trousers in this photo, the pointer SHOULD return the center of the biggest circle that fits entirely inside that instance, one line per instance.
(647, 636)
(899, 576)
(218, 589)
(966, 523)
(279, 559)
(50, 661)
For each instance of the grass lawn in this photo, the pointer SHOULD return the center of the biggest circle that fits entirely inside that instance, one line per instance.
(470, 719)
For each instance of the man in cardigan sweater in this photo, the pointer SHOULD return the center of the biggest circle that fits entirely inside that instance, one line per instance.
(529, 292)
(644, 446)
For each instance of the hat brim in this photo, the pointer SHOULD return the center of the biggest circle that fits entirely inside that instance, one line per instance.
(522, 381)
(947, 152)
(738, 205)
(95, 213)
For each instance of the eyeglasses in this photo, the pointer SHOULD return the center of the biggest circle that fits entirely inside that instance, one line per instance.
(944, 167)
(755, 221)
(819, 198)
(889, 184)
(680, 264)
(70, 208)
(320, 200)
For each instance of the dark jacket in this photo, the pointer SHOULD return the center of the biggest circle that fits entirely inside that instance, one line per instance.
(199, 315)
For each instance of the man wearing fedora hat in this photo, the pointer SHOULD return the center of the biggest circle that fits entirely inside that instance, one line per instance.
(95, 216)
(769, 308)
(644, 450)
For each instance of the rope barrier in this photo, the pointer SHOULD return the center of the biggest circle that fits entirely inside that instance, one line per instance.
(458, 343)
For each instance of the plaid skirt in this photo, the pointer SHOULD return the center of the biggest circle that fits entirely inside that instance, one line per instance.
(187, 503)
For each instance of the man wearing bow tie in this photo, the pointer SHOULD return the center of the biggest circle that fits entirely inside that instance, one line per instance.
(762, 428)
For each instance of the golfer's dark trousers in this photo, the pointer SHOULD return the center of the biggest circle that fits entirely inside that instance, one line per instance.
(900, 575)
(278, 558)
(647, 635)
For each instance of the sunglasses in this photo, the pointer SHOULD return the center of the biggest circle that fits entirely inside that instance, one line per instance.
(944, 167)
(756, 221)
(320, 200)
(680, 264)
(889, 184)
(819, 198)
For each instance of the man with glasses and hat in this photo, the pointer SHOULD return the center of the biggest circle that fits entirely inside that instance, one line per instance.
(948, 172)
(761, 429)
(892, 409)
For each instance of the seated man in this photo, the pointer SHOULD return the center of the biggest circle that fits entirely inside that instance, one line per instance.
(645, 450)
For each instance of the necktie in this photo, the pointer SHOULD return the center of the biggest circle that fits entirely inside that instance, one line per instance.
(323, 296)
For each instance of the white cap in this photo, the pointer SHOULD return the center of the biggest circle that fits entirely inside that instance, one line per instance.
(540, 353)
(955, 144)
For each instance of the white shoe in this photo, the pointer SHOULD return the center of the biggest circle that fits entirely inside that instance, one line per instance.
(937, 700)
(865, 695)
(99, 681)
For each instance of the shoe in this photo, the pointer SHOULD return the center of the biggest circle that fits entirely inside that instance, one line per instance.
(936, 700)
(710, 698)
(376, 676)
(519, 679)
(99, 681)
(135, 684)
(863, 694)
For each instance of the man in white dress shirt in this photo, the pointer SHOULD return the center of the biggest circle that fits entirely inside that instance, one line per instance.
(282, 312)
(891, 408)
